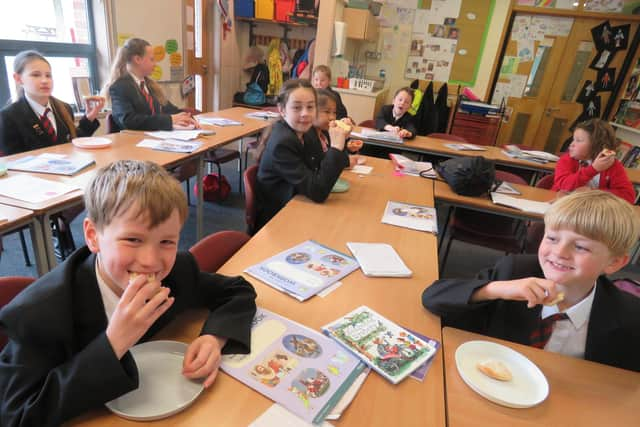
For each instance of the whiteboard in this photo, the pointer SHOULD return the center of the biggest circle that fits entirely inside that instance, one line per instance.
(160, 23)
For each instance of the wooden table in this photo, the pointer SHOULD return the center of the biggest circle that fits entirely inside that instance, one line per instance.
(124, 147)
(17, 218)
(351, 216)
(581, 393)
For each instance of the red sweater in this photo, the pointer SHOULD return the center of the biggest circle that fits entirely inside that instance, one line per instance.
(569, 175)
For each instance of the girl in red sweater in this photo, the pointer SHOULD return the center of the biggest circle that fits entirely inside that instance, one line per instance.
(591, 162)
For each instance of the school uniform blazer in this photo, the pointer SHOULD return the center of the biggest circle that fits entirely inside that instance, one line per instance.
(130, 110)
(21, 129)
(341, 110)
(59, 363)
(569, 175)
(289, 167)
(613, 335)
(385, 117)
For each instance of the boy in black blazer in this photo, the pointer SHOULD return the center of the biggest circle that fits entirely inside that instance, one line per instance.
(70, 332)
(588, 235)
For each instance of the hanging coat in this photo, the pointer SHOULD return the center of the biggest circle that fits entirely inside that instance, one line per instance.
(275, 67)
(424, 118)
(442, 110)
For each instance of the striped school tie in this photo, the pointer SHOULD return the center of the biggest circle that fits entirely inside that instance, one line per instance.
(48, 126)
(148, 97)
(540, 336)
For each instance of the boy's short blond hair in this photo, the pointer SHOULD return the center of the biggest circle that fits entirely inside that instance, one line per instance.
(597, 215)
(125, 183)
(322, 69)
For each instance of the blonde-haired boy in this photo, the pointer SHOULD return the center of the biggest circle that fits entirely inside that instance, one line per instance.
(321, 79)
(70, 332)
(588, 235)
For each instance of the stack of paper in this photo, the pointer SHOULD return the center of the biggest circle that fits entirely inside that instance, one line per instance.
(465, 147)
(32, 189)
(416, 217)
(522, 204)
(379, 260)
(173, 145)
(412, 167)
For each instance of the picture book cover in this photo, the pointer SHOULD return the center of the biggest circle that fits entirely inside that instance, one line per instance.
(421, 218)
(412, 167)
(623, 150)
(172, 145)
(295, 366)
(57, 164)
(633, 158)
(304, 270)
(389, 349)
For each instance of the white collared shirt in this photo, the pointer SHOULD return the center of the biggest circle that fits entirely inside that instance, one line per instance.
(39, 110)
(109, 298)
(569, 337)
(138, 81)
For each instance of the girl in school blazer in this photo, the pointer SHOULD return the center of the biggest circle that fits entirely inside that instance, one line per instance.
(137, 101)
(37, 119)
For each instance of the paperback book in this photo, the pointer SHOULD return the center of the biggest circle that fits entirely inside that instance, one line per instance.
(218, 121)
(379, 260)
(531, 155)
(266, 115)
(524, 205)
(465, 147)
(412, 167)
(421, 218)
(378, 135)
(57, 164)
(173, 145)
(304, 270)
(296, 367)
(392, 351)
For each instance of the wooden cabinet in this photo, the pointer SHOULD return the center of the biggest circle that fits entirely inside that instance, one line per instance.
(476, 128)
(361, 24)
(362, 105)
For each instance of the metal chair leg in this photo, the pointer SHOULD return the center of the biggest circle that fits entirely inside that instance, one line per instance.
(25, 252)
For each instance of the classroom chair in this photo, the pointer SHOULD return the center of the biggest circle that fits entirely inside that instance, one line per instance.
(250, 198)
(214, 250)
(535, 229)
(628, 285)
(256, 143)
(368, 124)
(485, 229)
(112, 127)
(11, 286)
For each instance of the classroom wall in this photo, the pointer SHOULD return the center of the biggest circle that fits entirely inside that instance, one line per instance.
(394, 67)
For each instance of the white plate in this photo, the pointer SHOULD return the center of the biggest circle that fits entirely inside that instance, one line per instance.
(92, 142)
(527, 388)
(163, 390)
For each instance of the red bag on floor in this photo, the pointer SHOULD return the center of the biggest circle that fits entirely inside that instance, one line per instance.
(214, 189)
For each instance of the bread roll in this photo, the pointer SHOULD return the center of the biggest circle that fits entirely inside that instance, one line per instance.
(559, 297)
(343, 125)
(495, 369)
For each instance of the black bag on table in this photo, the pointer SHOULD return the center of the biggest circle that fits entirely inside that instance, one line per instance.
(468, 176)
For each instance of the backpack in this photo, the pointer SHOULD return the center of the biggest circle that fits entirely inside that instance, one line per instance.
(214, 189)
(260, 75)
(254, 95)
(468, 176)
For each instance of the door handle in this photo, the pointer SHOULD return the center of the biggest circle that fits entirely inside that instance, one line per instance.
(550, 110)
(205, 69)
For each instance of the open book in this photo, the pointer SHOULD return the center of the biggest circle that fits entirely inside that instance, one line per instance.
(460, 146)
(173, 145)
(416, 217)
(57, 164)
(531, 155)
(389, 349)
(378, 135)
(218, 121)
(304, 270)
(181, 135)
(297, 367)
(519, 203)
(379, 260)
(412, 167)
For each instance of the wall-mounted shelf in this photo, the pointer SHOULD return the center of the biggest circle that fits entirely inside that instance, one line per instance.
(286, 26)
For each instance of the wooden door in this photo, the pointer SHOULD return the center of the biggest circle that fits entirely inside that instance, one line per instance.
(198, 22)
(555, 77)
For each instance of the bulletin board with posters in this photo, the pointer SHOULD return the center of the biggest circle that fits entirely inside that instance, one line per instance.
(448, 39)
(160, 23)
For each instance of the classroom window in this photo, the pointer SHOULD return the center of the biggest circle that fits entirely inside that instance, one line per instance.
(59, 29)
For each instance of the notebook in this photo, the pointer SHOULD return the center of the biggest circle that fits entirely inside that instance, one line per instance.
(379, 260)
(518, 203)
(57, 164)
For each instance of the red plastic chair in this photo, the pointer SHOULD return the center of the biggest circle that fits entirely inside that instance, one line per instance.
(11, 286)
(368, 124)
(448, 137)
(216, 249)
(250, 198)
(535, 229)
(485, 229)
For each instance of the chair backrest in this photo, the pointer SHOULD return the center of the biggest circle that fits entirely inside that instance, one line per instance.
(249, 179)
(368, 124)
(510, 177)
(214, 250)
(448, 137)
(11, 286)
(112, 126)
(545, 182)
